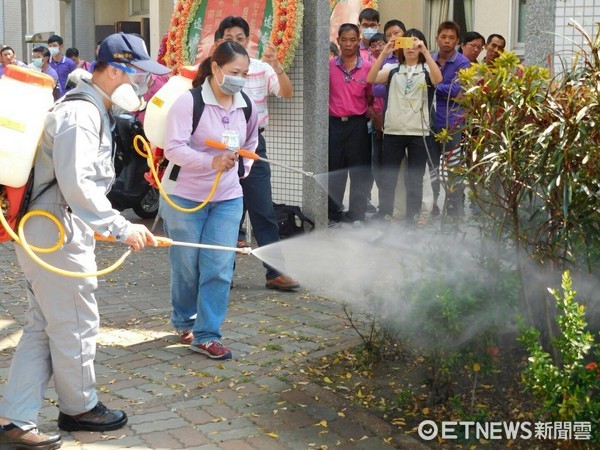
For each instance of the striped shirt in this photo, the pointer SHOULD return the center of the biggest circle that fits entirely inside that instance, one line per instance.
(261, 81)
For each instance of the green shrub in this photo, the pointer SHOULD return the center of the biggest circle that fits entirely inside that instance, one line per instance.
(570, 388)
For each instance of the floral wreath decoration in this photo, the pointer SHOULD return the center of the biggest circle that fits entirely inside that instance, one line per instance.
(285, 31)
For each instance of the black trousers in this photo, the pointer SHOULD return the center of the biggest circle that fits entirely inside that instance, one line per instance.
(395, 148)
(349, 154)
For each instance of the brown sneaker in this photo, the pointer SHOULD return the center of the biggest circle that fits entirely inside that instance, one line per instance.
(99, 418)
(282, 283)
(13, 437)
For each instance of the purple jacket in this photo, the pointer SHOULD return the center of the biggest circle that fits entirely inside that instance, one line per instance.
(447, 112)
(380, 90)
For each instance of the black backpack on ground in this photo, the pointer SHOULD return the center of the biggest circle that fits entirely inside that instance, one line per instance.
(291, 220)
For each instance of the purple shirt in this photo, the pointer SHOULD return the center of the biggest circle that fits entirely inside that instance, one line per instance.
(63, 68)
(447, 112)
(380, 90)
(196, 177)
(50, 71)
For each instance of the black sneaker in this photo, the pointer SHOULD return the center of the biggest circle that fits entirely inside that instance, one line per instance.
(370, 208)
(99, 418)
(13, 437)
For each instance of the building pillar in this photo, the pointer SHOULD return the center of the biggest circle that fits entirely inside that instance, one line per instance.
(316, 107)
(539, 38)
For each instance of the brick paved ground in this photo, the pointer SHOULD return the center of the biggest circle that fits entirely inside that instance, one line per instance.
(177, 399)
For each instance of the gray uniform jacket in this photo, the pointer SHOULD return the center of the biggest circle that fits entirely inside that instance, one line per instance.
(82, 164)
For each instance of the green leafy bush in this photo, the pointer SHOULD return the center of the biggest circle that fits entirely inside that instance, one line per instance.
(569, 390)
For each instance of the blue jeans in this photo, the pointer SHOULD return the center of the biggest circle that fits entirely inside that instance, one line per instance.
(201, 278)
(258, 200)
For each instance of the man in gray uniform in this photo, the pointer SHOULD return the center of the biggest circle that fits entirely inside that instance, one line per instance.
(73, 173)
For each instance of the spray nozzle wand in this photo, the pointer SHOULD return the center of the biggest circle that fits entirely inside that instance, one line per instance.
(166, 242)
(251, 155)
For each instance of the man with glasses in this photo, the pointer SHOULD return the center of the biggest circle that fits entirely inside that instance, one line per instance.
(73, 173)
(368, 21)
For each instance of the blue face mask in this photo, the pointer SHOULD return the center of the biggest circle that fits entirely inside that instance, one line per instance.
(368, 33)
(231, 84)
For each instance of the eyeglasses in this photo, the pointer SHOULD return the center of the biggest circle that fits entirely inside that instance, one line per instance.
(378, 45)
(134, 75)
(475, 47)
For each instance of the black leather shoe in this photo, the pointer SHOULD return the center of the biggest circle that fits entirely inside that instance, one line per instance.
(99, 418)
(13, 437)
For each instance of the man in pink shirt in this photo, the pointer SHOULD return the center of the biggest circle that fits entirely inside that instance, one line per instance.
(368, 20)
(349, 144)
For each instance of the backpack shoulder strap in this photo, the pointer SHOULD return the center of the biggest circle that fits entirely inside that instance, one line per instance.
(430, 95)
(248, 107)
(393, 72)
(83, 96)
(198, 107)
(69, 97)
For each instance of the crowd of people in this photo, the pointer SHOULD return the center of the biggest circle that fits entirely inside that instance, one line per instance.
(388, 97)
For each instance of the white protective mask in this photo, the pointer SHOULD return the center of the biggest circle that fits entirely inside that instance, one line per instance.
(54, 51)
(124, 96)
(38, 62)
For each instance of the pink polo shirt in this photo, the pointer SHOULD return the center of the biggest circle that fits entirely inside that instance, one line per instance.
(348, 91)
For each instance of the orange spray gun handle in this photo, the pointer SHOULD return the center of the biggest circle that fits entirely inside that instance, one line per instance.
(161, 241)
(251, 155)
(242, 152)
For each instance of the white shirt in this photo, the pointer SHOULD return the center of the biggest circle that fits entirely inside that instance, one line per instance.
(261, 81)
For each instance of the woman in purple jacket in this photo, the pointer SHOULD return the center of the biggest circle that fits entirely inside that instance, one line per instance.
(201, 278)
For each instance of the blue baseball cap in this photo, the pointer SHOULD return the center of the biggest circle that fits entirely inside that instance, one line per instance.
(130, 49)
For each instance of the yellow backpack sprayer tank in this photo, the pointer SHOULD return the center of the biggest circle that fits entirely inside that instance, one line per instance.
(159, 105)
(26, 99)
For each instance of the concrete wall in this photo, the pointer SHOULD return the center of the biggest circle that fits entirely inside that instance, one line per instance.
(411, 12)
(110, 11)
(12, 26)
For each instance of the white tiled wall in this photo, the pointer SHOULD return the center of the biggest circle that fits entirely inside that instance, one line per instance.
(567, 38)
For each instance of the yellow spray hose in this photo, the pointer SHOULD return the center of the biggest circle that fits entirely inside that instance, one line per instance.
(30, 250)
(146, 152)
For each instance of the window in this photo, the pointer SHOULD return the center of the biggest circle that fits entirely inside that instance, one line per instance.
(460, 11)
(139, 7)
(519, 27)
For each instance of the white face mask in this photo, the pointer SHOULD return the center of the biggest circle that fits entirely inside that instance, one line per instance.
(124, 96)
(38, 62)
(54, 51)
